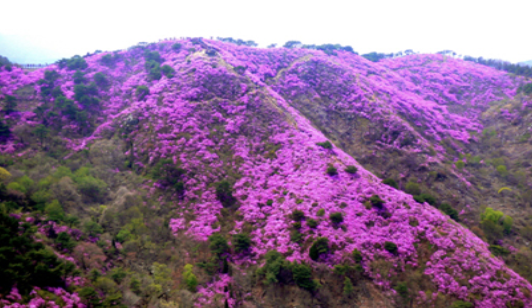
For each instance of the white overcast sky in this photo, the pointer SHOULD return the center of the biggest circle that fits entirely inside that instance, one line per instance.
(46, 30)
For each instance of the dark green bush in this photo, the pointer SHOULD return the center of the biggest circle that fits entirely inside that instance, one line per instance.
(276, 269)
(168, 71)
(425, 198)
(336, 218)
(390, 247)
(303, 277)
(376, 201)
(92, 228)
(100, 80)
(76, 63)
(79, 77)
(357, 255)
(402, 290)
(412, 188)
(348, 286)
(218, 245)
(142, 92)
(296, 236)
(81, 91)
(269, 202)
(176, 47)
(26, 262)
(298, 215)
(499, 250)
(449, 210)
(241, 242)
(320, 212)
(351, 169)
(64, 241)
(319, 247)
(462, 304)
(326, 145)
(312, 223)
(331, 170)
(110, 60)
(224, 193)
(391, 182)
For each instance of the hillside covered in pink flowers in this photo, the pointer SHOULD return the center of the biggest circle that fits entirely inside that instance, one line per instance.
(199, 173)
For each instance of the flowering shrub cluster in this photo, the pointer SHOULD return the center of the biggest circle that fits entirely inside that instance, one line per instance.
(228, 118)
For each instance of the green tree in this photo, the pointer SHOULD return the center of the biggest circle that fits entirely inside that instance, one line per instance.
(390, 247)
(351, 169)
(241, 242)
(348, 286)
(447, 209)
(318, 248)
(218, 245)
(303, 276)
(189, 278)
(391, 182)
(326, 145)
(41, 132)
(142, 92)
(336, 218)
(276, 269)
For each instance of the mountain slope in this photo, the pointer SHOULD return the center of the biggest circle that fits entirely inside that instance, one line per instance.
(232, 140)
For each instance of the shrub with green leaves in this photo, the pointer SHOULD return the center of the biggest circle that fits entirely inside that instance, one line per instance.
(376, 201)
(390, 247)
(357, 255)
(320, 212)
(348, 286)
(92, 228)
(241, 242)
(191, 281)
(425, 198)
(501, 169)
(412, 188)
(391, 182)
(499, 250)
(459, 164)
(326, 145)
(218, 245)
(168, 71)
(449, 210)
(25, 262)
(303, 276)
(276, 269)
(331, 170)
(298, 215)
(318, 248)
(142, 92)
(101, 81)
(496, 220)
(462, 304)
(336, 218)
(351, 169)
(312, 223)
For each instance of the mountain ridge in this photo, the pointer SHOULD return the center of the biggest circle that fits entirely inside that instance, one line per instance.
(259, 119)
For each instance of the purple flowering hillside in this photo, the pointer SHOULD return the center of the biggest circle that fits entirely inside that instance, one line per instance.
(199, 173)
